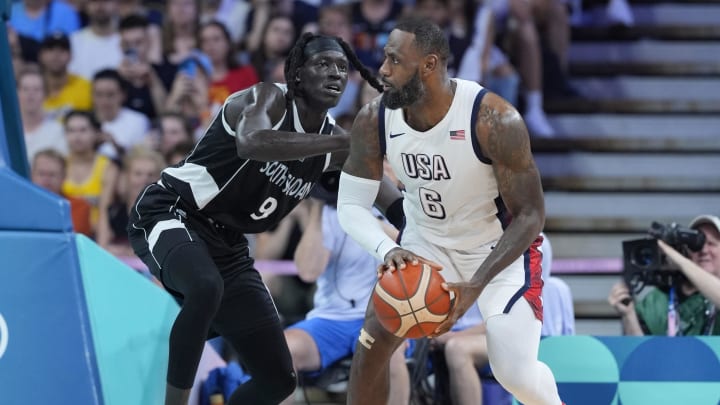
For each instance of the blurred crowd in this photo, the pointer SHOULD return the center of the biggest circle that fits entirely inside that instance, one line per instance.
(113, 91)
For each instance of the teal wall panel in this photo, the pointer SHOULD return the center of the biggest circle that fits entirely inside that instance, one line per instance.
(130, 319)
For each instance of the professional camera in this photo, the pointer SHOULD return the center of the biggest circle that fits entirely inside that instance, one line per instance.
(644, 262)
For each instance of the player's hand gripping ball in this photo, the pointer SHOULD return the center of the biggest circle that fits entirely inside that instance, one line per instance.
(411, 303)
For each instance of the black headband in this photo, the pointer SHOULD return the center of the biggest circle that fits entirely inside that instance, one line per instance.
(321, 44)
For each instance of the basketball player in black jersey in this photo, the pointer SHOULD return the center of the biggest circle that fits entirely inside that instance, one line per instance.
(257, 160)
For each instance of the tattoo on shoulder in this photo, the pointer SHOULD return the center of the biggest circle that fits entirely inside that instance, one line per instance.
(506, 138)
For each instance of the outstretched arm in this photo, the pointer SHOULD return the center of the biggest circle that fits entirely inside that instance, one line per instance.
(360, 182)
(389, 197)
(254, 114)
(706, 282)
(503, 136)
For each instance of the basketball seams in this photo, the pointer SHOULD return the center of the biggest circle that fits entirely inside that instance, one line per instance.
(411, 316)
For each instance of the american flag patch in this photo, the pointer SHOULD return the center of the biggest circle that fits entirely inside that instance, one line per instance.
(457, 134)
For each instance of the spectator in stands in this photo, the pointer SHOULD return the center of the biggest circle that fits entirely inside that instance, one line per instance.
(189, 92)
(97, 46)
(141, 166)
(173, 129)
(147, 84)
(260, 14)
(231, 14)
(372, 21)
(65, 91)
(48, 171)
(180, 29)
(89, 174)
(335, 20)
(526, 53)
(179, 153)
(36, 19)
(687, 309)
(41, 131)
(278, 37)
(290, 293)
(303, 14)
(228, 76)
(125, 127)
(465, 347)
(154, 18)
(469, 33)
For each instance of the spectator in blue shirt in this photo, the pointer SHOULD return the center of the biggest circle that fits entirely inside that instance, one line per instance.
(37, 19)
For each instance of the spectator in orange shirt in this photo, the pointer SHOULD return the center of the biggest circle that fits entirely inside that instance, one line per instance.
(48, 171)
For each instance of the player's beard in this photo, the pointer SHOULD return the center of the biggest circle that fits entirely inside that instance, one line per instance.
(406, 95)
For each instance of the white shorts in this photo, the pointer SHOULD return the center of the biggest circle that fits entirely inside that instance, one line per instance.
(521, 279)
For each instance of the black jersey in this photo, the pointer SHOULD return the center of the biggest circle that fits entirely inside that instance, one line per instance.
(243, 194)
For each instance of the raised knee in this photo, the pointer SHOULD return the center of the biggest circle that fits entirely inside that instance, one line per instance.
(207, 291)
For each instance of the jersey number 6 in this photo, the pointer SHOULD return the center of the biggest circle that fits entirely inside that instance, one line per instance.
(430, 200)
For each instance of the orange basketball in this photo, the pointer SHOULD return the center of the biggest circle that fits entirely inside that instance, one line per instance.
(411, 303)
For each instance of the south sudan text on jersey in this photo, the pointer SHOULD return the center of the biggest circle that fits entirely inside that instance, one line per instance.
(279, 174)
(425, 167)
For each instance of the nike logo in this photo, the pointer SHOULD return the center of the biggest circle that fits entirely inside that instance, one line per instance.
(395, 135)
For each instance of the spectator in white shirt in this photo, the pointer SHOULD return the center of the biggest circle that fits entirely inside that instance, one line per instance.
(96, 46)
(41, 131)
(124, 126)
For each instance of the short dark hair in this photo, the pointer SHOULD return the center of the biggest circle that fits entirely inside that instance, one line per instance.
(89, 116)
(187, 126)
(429, 38)
(133, 21)
(55, 40)
(296, 59)
(111, 74)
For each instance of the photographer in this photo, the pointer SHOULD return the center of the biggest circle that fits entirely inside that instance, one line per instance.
(688, 308)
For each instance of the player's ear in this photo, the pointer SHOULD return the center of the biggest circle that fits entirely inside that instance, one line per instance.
(430, 64)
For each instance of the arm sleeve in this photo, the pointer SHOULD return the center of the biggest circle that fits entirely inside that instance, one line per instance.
(355, 199)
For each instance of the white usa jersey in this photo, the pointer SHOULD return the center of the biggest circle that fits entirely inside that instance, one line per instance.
(451, 196)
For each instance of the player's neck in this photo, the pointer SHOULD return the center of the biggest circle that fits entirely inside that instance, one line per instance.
(432, 107)
(311, 117)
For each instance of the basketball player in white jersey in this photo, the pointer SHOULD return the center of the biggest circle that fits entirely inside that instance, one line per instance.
(473, 204)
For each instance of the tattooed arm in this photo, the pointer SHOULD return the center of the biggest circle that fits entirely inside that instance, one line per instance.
(504, 139)
(366, 159)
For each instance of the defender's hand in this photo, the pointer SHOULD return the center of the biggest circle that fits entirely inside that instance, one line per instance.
(465, 296)
(397, 257)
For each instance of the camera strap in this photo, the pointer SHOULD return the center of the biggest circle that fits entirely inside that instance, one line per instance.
(672, 316)
(711, 317)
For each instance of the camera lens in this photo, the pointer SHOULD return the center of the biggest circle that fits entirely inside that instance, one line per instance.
(643, 256)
